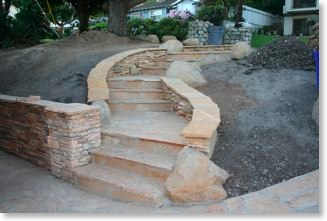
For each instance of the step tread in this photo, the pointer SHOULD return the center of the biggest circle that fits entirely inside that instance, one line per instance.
(152, 78)
(133, 154)
(136, 90)
(138, 101)
(129, 182)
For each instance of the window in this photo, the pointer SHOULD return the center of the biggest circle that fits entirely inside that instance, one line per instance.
(156, 14)
(304, 3)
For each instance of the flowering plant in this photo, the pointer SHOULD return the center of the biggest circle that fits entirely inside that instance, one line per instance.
(180, 15)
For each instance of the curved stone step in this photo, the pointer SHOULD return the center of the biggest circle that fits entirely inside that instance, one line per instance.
(119, 184)
(118, 94)
(140, 105)
(134, 160)
(135, 82)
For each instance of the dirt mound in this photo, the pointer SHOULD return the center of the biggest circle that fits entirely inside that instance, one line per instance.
(286, 52)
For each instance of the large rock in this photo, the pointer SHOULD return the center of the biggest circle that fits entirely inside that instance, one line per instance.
(104, 111)
(315, 112)
(168, 37)
(213, 59)
(240, 50)
(172, 46)
(188, 72)
(195, 179)
(153, 39)
(191, 42)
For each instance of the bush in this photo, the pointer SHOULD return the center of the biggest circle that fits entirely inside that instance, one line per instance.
(211, 13)
(172, 26)
(137, 26)
(101, 26)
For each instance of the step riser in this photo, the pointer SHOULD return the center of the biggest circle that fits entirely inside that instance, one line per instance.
(127, 165)
(112, 191)
(135, 84)
(136, 95)
(149, 146)
(150, 71)
(140, 107)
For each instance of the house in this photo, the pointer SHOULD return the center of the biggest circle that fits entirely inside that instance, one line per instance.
(160, 8)
(300, 16)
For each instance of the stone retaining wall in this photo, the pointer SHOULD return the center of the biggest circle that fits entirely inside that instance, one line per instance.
(234, 35)
(199, 29)
(52, 135)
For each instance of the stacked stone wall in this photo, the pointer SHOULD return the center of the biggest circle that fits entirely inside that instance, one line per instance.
(233, 35)
(51, 135)
(199, 29)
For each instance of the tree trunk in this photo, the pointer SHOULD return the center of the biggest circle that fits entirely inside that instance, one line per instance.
(83, 15)
(118, 10)
(239, 15)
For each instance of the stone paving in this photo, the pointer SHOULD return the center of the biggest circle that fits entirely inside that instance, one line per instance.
(27, 188)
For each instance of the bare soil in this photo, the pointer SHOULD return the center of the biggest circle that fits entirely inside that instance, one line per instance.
(57, 71)
(267, 134)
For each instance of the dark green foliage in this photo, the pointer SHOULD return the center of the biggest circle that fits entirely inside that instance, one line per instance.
(101, 26)
(166, 26)
(174, 27)
(211, 13)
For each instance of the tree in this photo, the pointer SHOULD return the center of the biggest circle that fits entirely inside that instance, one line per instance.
(84, 8)
(239, 14)
(117, 18)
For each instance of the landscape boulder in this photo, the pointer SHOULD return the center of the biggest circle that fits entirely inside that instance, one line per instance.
(172, 46)
(153, 39)
(104, 111)
(168, 37)
(195, 179)
(188, 72)
(191, 42)
(133, 70)
(240, 50)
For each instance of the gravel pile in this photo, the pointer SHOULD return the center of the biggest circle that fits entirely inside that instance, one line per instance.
(286, 52)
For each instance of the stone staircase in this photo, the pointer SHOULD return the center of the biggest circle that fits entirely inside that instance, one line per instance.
(139, 146)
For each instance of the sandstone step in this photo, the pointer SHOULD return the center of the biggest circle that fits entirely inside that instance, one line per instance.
(135, 82)
(140, 105)
(134, 160)
(161, 71)
(119, 184)
(137, 94)
(109, 136)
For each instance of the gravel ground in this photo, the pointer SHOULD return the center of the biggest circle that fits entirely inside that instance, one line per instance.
(57, 71)
(267, 134)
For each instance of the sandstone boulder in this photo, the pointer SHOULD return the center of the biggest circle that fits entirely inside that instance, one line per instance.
(133, 70)
(172, 46)
(315, 112)
(191, 42)
(104, 111)
(188, 72)
(153, 39)
(240, 50)
(213, 59)
(195, 179)
(168, 37)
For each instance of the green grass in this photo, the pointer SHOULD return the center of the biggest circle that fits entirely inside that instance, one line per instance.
(258, 41)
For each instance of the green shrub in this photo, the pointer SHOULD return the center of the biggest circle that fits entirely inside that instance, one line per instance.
(172, 26)
(211, 13)
(101, 26)
(137, 26)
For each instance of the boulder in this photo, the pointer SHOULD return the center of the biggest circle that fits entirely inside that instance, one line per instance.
(153, 39)
(315, 112)
(133, 70)
(172, 46)
(213, 59)
(104, 111)
(188, 72)
(191, 42)
(240, 50)
(195, 179)
(168, 37)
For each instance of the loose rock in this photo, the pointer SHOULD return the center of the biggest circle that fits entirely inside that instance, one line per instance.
(168, 37)
(240, 50)
(172, 46)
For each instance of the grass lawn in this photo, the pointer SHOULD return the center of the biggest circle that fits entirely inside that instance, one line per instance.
(259, 41)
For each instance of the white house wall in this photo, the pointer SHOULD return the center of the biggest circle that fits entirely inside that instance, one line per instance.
(258, 18)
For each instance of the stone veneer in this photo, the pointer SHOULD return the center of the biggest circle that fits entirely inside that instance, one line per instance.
(234, 35)
(52, 135)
